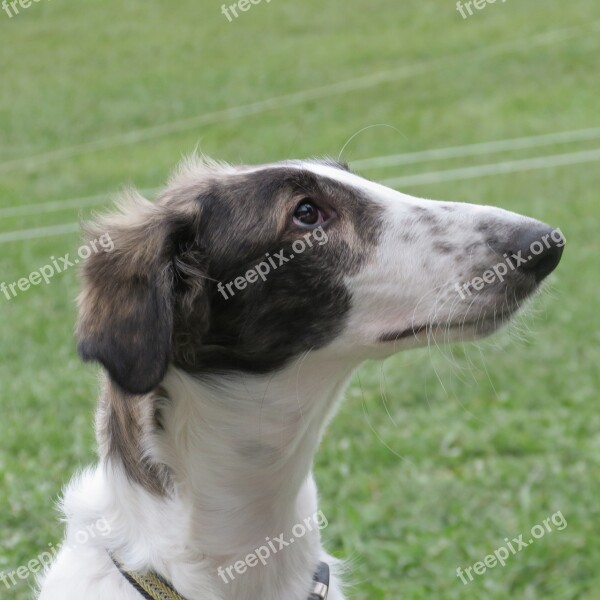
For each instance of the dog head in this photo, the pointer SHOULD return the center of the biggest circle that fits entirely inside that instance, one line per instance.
(245, 268)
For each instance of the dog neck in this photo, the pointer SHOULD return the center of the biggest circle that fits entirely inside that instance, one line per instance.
(239, 452)
(244, 449)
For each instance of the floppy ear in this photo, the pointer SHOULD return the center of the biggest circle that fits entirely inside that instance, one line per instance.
(127, 305)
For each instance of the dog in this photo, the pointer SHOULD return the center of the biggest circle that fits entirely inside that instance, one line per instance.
(213, 404)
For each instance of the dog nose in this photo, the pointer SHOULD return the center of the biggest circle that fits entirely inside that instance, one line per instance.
(540, 250)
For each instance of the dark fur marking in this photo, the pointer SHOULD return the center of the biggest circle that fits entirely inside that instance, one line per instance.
(303, 304)
(408, 237)
(444, 247)
(426, 216)
(121, 428)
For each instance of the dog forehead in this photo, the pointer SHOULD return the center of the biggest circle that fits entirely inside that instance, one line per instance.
(349, 180)
(200, 179)
(325, 169)
(263, 185)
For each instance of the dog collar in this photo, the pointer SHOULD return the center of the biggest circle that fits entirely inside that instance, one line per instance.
(152, 586)
(320, 582)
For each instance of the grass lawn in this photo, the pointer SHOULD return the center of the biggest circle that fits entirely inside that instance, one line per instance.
(437, 455)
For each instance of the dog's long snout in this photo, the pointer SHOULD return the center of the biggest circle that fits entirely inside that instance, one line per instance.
(539, 249)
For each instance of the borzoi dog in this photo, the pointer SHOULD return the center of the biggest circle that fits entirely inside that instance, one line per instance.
(227, 319)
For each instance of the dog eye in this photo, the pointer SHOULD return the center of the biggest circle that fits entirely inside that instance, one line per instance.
(308, 214)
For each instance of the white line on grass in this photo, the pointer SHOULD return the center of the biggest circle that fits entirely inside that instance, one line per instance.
(536, 141)
(38, 232)
(512, 166)
(342, 87)
(46, 207)
(58, 205)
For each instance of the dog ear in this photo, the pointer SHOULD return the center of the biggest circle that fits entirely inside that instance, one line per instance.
(126, 308)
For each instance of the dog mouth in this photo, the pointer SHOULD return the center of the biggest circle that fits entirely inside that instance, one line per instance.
(480, 328)
(469, 326)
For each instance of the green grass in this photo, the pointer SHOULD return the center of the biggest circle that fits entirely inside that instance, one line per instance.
(437, 455)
